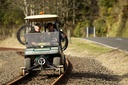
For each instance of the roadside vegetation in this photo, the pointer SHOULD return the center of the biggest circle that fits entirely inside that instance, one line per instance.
(87, 47)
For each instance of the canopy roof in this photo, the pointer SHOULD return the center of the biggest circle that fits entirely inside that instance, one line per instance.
(44, 17)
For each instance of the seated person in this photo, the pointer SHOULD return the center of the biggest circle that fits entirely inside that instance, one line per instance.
(50, 27)
(36, 29)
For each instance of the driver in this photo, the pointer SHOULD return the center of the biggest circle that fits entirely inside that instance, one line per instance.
(50, 27)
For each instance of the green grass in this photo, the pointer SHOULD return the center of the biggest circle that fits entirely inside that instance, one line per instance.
(83, 46)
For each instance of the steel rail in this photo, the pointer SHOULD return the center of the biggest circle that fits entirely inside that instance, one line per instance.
(14, 82)
(9, 48)
(62, 75)
(22, 77)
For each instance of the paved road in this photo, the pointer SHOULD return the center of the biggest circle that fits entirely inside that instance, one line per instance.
(120, 43)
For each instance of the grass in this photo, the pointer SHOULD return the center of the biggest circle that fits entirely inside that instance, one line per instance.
(78, 45)
(83, 46)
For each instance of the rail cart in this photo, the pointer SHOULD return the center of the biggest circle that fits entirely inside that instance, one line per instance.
(44, 50)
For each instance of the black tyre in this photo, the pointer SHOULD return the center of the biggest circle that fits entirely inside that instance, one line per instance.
(22, 31)
(65, 64)
(27, 63)
(56, 61)
(63, 60)
(64, 41)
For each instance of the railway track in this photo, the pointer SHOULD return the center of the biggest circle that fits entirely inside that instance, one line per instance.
(20, 79)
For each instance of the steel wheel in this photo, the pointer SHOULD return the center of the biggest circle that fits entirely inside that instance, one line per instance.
(22, 72)
(61, 70)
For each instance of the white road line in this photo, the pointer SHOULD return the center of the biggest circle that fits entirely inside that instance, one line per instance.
(102, 44)
(107, 45)
(118, 39)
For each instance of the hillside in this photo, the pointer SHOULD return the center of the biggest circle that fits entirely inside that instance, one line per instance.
(113, 18)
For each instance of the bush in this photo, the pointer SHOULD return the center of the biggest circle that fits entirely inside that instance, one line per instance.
(77, 30)
(101, 27)
(80, 30)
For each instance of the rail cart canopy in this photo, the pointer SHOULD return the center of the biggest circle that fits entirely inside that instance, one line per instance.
(44, 17)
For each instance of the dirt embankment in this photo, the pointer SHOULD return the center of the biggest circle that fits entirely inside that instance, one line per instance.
(114, 60)
(11, 42)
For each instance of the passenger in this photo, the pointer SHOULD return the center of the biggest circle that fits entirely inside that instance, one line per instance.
(36, 29)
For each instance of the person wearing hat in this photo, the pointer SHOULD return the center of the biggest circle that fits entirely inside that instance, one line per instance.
(36, 28)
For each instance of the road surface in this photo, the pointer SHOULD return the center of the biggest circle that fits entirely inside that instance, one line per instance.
(120, 43)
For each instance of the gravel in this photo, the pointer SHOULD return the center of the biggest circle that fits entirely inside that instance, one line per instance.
(40, 78)
(87, 71)
(10, 63)
(83, 71)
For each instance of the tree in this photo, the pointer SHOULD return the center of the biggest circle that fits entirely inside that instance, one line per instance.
(29, 7)
(9, 15)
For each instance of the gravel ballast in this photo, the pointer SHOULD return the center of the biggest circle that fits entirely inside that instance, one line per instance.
(84, 71)
(10, 63)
